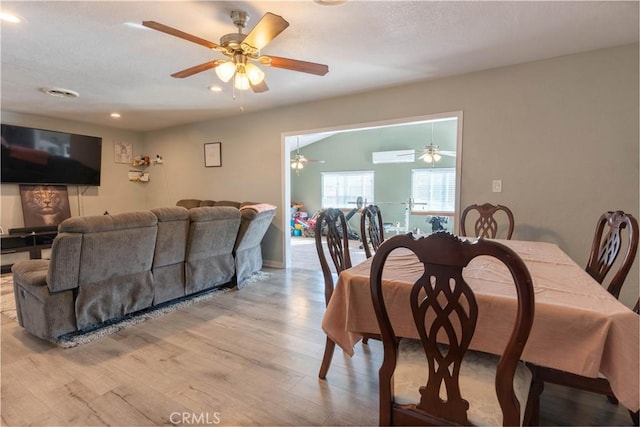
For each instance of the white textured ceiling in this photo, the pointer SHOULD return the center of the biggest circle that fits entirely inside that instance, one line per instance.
(85, 47)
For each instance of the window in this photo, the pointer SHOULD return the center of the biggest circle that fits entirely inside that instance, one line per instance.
(342, 189)
(433, 190)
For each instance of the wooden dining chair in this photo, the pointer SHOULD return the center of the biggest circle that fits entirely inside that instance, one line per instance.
(371, 229)
(437, 380)
(332, 225)
(486, 224)
(607, 244)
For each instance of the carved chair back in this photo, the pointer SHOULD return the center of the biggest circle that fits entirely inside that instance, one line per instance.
(371, 229)
(332, 225)
(607, 243)
(444, 308)
(486, 225)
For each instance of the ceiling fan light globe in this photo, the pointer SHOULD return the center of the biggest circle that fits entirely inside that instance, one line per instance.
(428, 158)
(437, 157)
(254, 73)
(241, 81)
(226, 71)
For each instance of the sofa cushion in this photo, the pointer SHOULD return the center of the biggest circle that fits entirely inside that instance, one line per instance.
(188, 203)
(173, 226)
(122, 221)
(169, 256)
(212, 235)
(171, 213)
(228, 203)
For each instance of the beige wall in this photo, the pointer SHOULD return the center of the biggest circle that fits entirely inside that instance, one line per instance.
(562, 134)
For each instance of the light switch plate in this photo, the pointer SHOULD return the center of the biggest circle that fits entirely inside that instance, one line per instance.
(496, 186)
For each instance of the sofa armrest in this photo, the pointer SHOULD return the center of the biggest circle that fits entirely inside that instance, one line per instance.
(253, 226)
(31, 272)
(64, 266)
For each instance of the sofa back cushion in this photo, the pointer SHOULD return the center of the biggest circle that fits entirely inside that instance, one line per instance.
(93, 248)
(227, 203)
(171, 247)
(114, 276)
(188, 203)
(114, 245)
(171, 243)
(212, 234)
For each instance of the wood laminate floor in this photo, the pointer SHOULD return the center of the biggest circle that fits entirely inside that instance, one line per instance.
(246, 357)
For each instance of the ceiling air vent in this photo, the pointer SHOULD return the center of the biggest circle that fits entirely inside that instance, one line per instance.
(59, 92)
(398, 156)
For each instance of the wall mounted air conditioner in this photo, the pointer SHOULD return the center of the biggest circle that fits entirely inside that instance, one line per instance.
(398, 156)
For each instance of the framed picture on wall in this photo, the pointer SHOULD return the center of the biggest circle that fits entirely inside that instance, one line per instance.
(123, 152)
(44, 205)
(213, 154)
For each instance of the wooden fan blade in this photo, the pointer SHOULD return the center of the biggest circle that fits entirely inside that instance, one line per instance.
(260, 87)
(181, 34)
(198, 69)
(295, 65)
(266, 29)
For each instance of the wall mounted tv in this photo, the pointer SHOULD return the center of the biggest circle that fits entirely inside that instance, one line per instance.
(38, 156)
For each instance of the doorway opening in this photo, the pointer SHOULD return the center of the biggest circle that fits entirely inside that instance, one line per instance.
(415, 165)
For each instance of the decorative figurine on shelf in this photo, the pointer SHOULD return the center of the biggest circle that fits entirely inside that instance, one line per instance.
(141, 161)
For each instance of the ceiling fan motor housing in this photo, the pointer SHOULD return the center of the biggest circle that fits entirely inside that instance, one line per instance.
(232, 41)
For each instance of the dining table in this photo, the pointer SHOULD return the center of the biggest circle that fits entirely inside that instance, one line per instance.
(578, 326)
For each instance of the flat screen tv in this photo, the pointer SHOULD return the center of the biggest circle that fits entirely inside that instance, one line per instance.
(38, 156)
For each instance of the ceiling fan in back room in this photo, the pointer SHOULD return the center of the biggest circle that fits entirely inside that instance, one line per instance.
(298, 161)
(242, 50)
(432, 153)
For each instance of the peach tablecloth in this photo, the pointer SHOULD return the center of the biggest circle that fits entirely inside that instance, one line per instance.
(578, 326)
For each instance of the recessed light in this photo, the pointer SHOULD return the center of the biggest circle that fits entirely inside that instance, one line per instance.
(215, 88)
(115, 115)
(10, 17)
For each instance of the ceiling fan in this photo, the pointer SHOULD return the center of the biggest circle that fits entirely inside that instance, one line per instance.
(298, 160)
(242, 50)
(432, 153)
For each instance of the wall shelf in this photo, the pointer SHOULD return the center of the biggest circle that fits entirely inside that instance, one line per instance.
(142, 163)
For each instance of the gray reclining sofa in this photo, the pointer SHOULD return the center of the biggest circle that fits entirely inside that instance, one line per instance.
(105, 267)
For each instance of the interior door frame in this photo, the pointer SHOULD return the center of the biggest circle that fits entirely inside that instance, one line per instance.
(288, 143)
